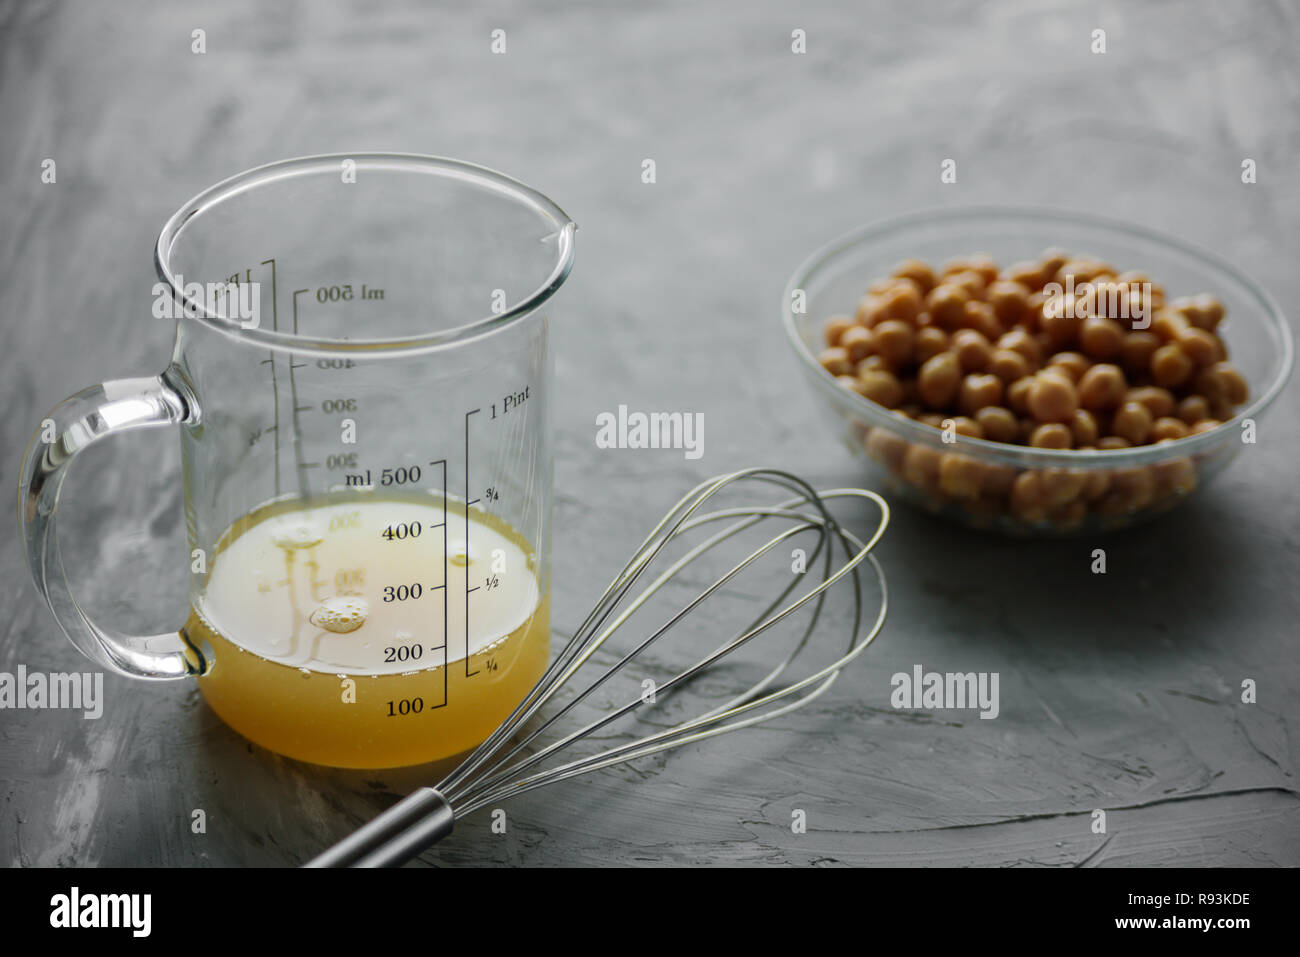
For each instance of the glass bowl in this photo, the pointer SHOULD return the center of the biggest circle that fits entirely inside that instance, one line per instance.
(1084, 491)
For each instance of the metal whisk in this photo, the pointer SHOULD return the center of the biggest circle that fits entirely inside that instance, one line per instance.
(498, 769)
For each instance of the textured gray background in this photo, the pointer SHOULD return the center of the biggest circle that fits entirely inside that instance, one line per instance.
(1118, 691)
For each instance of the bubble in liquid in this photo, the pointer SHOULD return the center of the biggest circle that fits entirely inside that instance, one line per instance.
(293, 533)
(341, 615)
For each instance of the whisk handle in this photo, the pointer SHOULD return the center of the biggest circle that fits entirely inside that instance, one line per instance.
(404, 830)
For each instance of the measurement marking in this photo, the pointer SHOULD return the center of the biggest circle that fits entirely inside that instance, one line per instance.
(468, 673)
(303, 491)
(275, 389)
(446, 635)
(311, 465)
(475, 588)
(302, 408)
(472, 501)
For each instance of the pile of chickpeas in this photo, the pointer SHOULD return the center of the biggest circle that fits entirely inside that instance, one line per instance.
(1059, 353)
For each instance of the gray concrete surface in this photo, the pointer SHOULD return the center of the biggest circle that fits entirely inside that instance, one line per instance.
(1118, 692)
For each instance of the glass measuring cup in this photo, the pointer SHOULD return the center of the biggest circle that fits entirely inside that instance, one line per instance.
(361, 377)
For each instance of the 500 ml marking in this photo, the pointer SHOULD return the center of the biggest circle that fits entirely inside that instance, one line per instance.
(345, 293)
(399, 475)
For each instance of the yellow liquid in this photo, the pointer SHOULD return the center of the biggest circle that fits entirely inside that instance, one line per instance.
(340, 635)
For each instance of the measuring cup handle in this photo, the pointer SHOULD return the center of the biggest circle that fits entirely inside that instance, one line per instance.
(119, 405)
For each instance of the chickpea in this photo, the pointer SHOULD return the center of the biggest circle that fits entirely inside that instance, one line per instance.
(1136, 486)
(934, 420)
(1235, 389)
(930, 341)
(1034, 316)
(1203, 348)
(979, 390)
(961, 425)
(939, 380)
(970, 280)
(1167, 427)
(1101, 338)
(880, 386)
(888, 448)
(1060, 320)
(836, 327)
(1170, 365)
(1095, 485)
(857, 343)
(1112, 442)
(1135, 279)
(1009, 300)
(1060, 486)
(1157, 400)
(921, 467)
(960, 476)
(1132, 422)
(835, 361)
(1052, 260)
(1168, 325)
(1084, 428)
(1052, 397)
(1007, 365)
(1026, 499)
(1205, 425)
(946, 304)
(1193, 408)
(981, 317)
(972, 349)
(871, 310)
(1084, 271)
(870, 362)
(903, 301)
(1136, 350)
(1052, 435)
(849, 382)
(1071, 363)
(985, 265)
(1017, 395)
(917, 271)
(1174, 476)
(1209, 312)
(999, 423)
(1210, 384)
(896, 341)
(1028, 274)
(1203, 312)
(1017, 340)
(1101, 387)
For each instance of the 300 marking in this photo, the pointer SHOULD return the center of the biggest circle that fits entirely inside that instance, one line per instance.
(402, 592)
